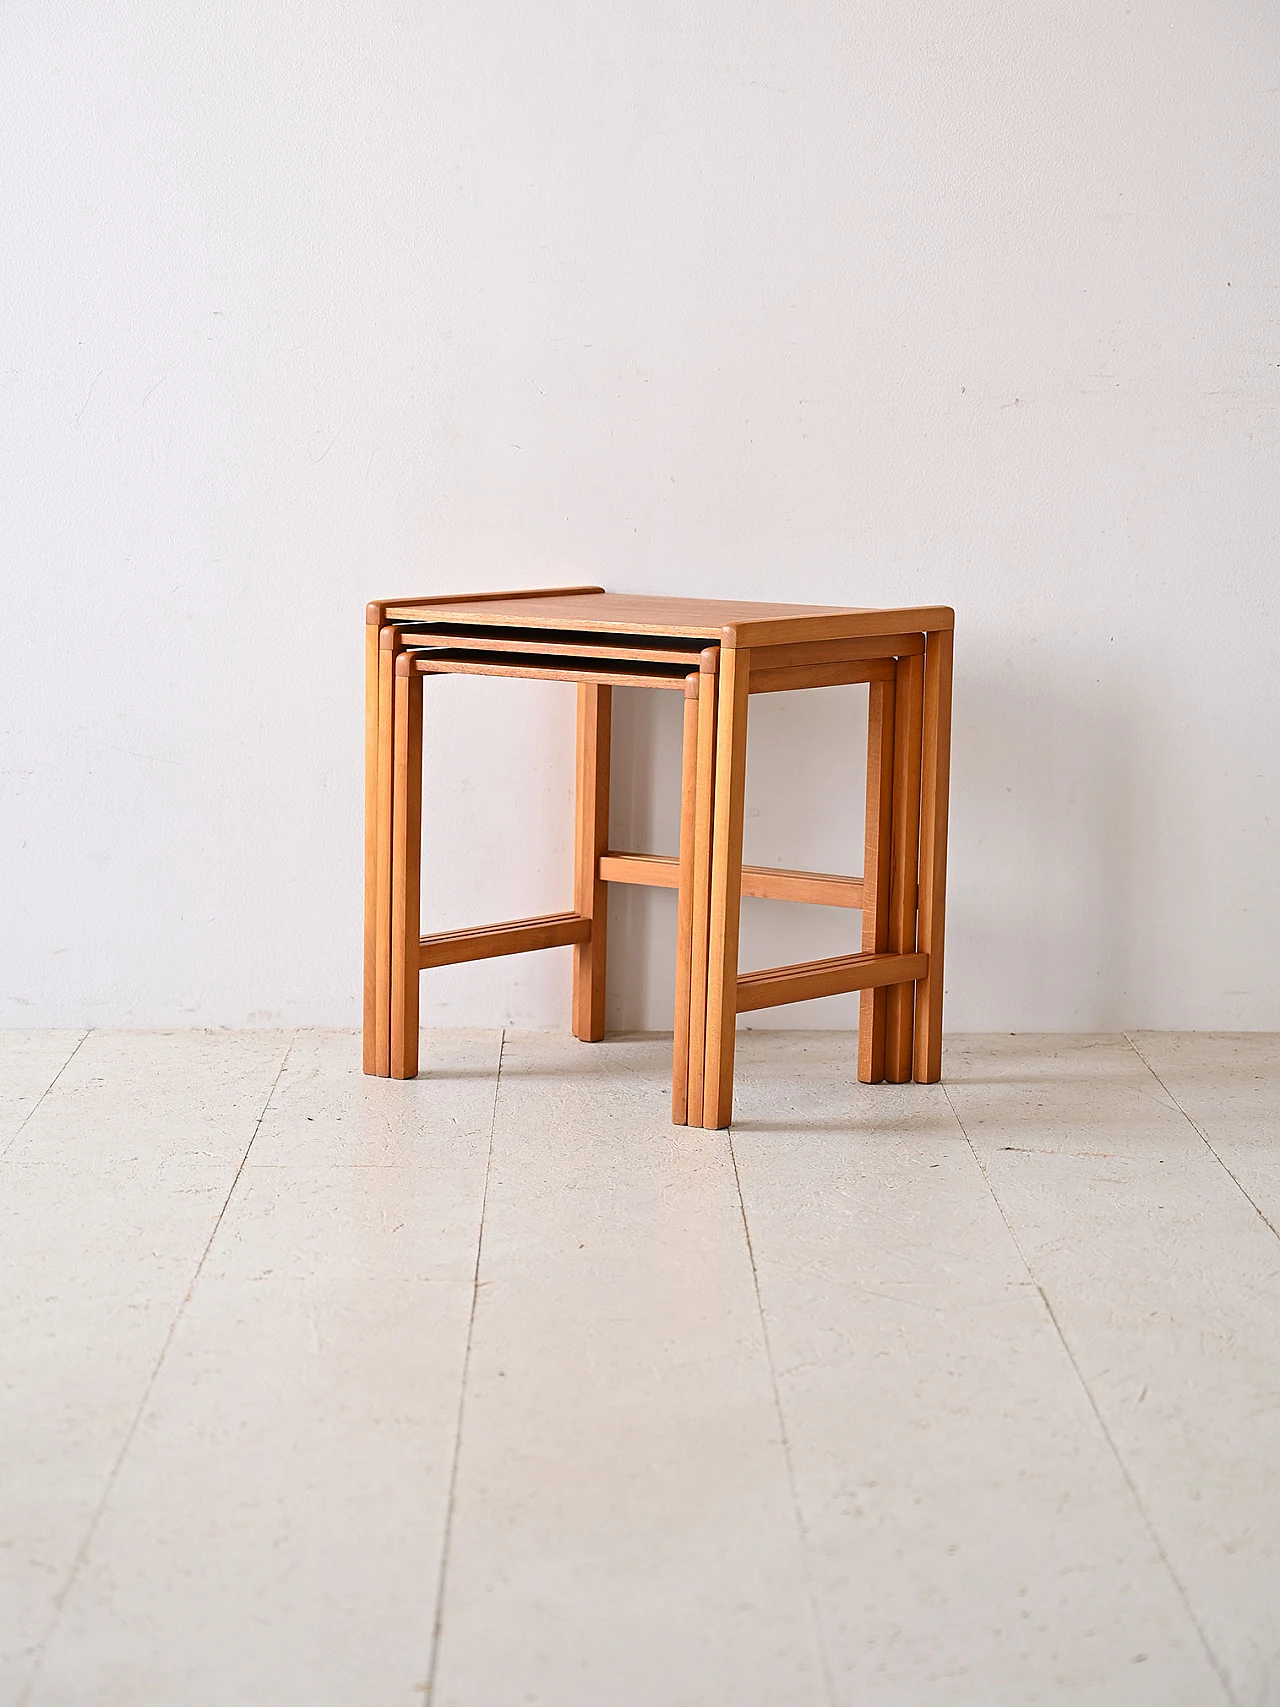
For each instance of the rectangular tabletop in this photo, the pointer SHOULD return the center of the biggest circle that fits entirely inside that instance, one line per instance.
(736, 622)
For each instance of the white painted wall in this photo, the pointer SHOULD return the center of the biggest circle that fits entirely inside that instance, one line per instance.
(973, 301)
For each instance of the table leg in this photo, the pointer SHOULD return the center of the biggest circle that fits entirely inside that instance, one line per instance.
(591, 839)
(684, 907)
(406, 870)
(388, 651)
(873, 1006)
(704, 811)
(726, 884)
(370, 1021)
(909, 704)
(935, 799)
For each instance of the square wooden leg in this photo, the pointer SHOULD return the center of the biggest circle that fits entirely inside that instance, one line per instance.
(908, 716)
(591, 839)
(371, 1061)
(684, 907)
(726, 884)
(406, 869)
(388, 651)
(935, 800)
(873, 1006)
(704, 811)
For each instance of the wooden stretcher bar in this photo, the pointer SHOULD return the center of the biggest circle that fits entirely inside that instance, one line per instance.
(778, 985)
(515, 936)
(764, 882)
(820, 675)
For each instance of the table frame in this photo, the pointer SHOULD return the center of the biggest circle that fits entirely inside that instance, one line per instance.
(905, 658)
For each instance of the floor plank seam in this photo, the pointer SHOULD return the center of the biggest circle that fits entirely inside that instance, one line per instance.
(428, 1693)
(43, 1094)
(1205, 1139)
(1149, 1525)
(87, 1540)
(810, 1590)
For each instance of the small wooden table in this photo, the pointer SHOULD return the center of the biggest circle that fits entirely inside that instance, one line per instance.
(904, 655)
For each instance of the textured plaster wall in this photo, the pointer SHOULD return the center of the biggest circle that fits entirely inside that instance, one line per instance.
(886, 302)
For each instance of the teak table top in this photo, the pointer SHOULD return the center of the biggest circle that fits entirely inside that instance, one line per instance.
(736, 622)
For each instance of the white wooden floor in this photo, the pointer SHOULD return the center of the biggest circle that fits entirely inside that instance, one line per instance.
(496, 1389)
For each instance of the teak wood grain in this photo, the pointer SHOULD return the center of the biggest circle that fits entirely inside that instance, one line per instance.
(834, 651)
(839, 976)
(554, 643)
(388, 640)
(684, 906)
(514, 936)
(378, 611)
(406, 872)
(807, 623)
(591, 838)
(738, 622)
(909, 717)
(763, 882)
(935, 801)
(820, 675)
(704, 807)
(726, 884)
(529, 666)
(630, 613)
(877, 869)
(372, 650)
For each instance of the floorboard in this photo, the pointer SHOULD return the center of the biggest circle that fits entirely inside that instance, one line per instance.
(324, 1391)
(623, 1530)
(1165, 1283)
(30, 1062)
(109, 1196)
(275, 1532)
(972, 1537)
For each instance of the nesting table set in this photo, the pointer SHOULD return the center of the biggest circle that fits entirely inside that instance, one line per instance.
(716, 653)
